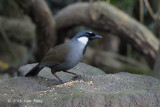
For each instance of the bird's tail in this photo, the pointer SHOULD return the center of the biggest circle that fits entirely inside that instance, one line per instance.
(34, 71)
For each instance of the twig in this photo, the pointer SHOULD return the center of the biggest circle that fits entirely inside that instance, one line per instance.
(159, 6)
(141, 15)
(94, 15)
(158, 16)
(149, 9)
(90, 9)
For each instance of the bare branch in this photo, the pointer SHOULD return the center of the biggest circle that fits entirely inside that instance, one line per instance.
(149, 9)
(141, 15)
(45, 24)
(114, 21)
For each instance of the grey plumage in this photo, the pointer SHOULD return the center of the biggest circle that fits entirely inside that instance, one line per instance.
(65, 56)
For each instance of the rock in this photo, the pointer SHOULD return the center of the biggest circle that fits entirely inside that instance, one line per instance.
(94, 89)
(4, 77)
(81, 69)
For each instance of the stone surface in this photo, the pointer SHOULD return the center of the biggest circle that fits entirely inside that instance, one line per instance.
(93, 89)
(81, 69)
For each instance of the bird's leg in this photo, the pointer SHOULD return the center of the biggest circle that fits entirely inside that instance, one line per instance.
(58, 78)
(71, 73)
(76, 76)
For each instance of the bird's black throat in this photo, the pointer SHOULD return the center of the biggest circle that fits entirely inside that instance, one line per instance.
(84, 50)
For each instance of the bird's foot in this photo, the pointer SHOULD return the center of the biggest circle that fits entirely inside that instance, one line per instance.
(61, 82)
(77, 76)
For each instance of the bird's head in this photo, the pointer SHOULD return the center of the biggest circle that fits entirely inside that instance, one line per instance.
(86, 36)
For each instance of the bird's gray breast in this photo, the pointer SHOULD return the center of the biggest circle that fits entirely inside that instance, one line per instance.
(74, 57)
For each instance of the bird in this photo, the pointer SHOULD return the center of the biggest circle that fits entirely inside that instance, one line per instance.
(65, 56)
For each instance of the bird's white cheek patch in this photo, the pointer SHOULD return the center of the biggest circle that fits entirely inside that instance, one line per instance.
(83, 40)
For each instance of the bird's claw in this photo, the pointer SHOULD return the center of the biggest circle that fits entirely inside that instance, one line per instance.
(77, 76)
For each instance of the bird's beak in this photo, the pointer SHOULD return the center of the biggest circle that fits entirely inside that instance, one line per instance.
(97, 37)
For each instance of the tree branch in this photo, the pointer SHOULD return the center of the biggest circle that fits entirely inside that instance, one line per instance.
(45, 24)
(113, 20)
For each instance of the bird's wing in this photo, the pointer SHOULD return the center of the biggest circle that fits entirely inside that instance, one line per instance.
(57, 55)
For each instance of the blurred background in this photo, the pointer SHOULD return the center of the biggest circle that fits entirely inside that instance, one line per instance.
(130, 30)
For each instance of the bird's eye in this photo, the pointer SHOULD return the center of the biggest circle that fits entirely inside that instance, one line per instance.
(87, 35)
